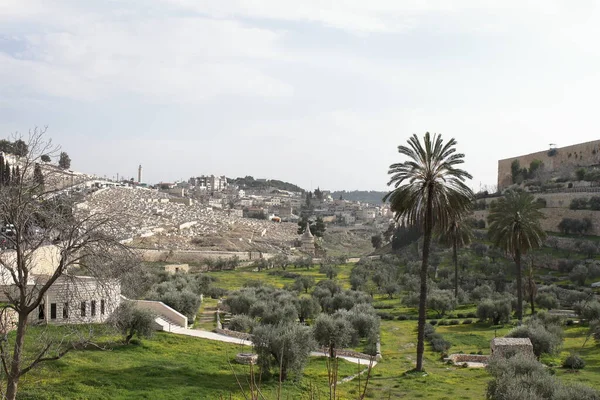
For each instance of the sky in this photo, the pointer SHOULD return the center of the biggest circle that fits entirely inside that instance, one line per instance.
(315, 92)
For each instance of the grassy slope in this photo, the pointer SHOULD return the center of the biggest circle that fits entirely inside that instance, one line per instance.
(164, 367)
(172, 367)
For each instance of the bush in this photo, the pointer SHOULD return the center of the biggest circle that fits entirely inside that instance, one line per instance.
(242, 323)
(402, 317)
(545, 341)
(467, 321)
(454, 322)
(494, 311)
(547, 300)
(588, 310)
(574, 362)
(433, 322)
(385, 316)
(522, 377)
(471, 315)
(579, 204)
(440, 345)
(579, 274)
(460, 315)
(428, 331)
(443, 322)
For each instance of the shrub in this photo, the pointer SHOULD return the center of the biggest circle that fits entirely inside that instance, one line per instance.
(454, 322)
(467, 321)
(522, 377)
(547, 300)
(242, 323)
(579, 274)
(579, 204)
(589, 310)
(428, 331)
(440, 345)
(433, 322)
(460, 315)
(471, 315)
(385, 316)
(574, 362)
(495, 311)
(443, 322)
(402, 317)
(544, 341)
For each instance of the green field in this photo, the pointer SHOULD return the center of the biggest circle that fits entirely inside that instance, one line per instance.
(174, 367)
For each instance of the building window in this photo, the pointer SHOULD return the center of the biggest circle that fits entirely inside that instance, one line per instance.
(53, 311)
(66, 311)
(41, 311)
(102, 306)
(83, 308)
(93, 307)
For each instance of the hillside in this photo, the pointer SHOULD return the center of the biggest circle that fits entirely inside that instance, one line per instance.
(364, 196)
(249, 182)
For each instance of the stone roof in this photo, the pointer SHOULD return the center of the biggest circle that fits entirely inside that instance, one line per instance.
(307, 234)
(511, 341)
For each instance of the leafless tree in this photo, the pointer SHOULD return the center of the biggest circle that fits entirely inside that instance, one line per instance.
(45, 238)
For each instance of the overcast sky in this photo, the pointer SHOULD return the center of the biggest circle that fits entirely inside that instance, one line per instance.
(315, 92)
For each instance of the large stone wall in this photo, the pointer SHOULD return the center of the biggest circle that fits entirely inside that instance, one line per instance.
(583, 154)
(557, 208)
(193, 256)
(555, 215)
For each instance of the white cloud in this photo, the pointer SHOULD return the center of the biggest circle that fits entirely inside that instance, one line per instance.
(172, 59)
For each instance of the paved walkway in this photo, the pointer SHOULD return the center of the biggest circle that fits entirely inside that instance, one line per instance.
(167, 327)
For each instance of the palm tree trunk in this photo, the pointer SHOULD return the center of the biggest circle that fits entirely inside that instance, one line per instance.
(455, 260)
(423, 295)
(519, 285)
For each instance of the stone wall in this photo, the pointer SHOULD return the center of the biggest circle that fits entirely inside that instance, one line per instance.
(557, 208)
(235, 334)
(197, 256)
(583, 154)
(555, 215)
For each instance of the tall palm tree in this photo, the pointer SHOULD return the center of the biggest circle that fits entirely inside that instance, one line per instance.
(457, 234)
(429, 191)
(515, 227)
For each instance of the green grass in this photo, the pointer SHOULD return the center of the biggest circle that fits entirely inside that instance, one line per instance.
(235, 279)
(175, 367)
(164, 367)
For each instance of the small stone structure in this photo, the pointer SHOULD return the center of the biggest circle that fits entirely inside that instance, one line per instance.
(246, 358)
(506, 346)
(308, 241)
(471, 360)
(175, 268)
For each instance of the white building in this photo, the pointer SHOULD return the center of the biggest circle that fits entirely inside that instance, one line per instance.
(71, 299)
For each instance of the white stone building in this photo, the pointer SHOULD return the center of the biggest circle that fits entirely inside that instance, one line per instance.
(72, 299)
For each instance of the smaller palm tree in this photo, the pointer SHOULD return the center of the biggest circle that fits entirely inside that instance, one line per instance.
(515, 227)
(457, 234)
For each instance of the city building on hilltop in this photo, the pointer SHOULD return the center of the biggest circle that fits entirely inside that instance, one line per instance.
(210, 183)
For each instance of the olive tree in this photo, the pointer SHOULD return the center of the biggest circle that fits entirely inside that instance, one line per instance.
(283, 346)
(132, 321)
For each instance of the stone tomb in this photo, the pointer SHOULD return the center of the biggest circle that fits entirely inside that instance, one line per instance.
(505, 347)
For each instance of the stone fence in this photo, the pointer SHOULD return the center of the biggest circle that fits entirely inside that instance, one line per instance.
(237, 335)
(461, 358)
